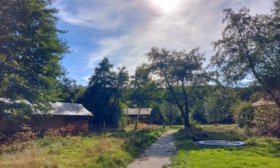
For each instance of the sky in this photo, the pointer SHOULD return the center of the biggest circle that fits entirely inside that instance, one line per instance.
(125, 30)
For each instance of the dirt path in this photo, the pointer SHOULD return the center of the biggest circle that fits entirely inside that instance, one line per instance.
(158, 154)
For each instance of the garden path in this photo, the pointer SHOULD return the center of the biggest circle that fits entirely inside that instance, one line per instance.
(158, 154)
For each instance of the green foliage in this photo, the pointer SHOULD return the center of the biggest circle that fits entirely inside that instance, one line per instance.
(156, 115)
(30, 52)
(267, 120)
(249, 48)
(217, 105)
(104, 94)
(198, 113)
(242, 113)
(177, 70)
(170, 113)
(68, 91)
(144, 90)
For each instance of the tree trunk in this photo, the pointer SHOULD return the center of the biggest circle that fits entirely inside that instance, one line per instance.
(137, 119)
(186, 120)
(186, 114)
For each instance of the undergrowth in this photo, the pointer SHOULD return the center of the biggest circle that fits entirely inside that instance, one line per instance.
(91, 149)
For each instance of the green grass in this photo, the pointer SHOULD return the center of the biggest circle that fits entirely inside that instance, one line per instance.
(117, 150)
(257, 153)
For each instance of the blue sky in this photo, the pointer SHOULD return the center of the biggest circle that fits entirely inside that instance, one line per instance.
(124, 30)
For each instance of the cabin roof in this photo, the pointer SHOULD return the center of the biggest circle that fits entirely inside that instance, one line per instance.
(59, 108)
(74, 109)
(134, 111)
(262, 102)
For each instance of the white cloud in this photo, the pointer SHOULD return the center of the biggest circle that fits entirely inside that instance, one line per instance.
(183, 29)
(101, 14)
(192, 24)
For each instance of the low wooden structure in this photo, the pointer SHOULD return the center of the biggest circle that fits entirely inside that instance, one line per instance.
(61, 115)
(144, 115)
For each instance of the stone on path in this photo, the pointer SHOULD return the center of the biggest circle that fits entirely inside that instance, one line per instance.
(158, 154)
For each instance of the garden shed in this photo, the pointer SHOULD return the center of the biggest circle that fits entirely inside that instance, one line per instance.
(66, 113)
(144, 115)
(61, 115)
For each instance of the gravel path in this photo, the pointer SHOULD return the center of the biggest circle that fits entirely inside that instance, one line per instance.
(158, 154)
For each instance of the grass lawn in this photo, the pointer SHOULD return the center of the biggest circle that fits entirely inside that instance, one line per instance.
(117, 150)
(259, 152)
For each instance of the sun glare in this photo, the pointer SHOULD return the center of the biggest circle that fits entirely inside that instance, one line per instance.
(166, 5)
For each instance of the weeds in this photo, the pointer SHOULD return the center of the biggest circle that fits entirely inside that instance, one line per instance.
(59, 148)
(68, 130)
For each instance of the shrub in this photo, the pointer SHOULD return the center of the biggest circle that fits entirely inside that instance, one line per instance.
(267, 121)
(27, 134)
(242, 113)
(69, 129)
(52, 132)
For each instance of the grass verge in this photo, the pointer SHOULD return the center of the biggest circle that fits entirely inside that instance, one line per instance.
(259, 152)
(117, 150)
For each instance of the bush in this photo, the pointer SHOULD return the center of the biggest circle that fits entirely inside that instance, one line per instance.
(67, 130)
(18, 141)
(27, 134)
(242, 113)
(267, 121)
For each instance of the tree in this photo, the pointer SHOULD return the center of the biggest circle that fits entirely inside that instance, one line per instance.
(68, 90)
(178, 70)
(242, 112)
(170, 113)
(143, 89)
(156, 115)
(218, 103)
(30, 52)
(104, 93)
(197, 96)
(120, 84)
(249, 47)
(103, 75)
(98, 95)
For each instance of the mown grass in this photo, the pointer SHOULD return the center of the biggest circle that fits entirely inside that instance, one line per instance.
(259, 152)
(116, 150)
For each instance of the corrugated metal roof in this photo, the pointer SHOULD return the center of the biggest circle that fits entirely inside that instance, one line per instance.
(73, 109)
(134, 111)
(60, 108)
(263, 102)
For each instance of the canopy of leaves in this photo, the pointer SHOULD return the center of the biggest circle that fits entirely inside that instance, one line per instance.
(170, 113)
(30, 51)
(177, 70)
(249, 47)
(104, 93)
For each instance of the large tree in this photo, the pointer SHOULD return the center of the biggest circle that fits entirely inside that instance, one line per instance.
(250, 47)
(143, 90)
(104, 93)
(177, 70)
(30, 51)
(119, 88)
